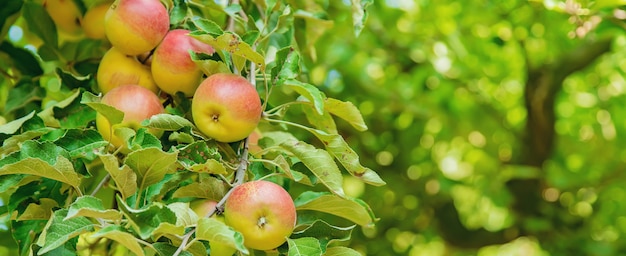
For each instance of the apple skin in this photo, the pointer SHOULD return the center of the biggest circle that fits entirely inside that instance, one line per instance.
(137, 103)
(93, 21)
(136, 26)
(65, 15)
(263, 212)
(226, 107)
(172, 67)
(117, 68)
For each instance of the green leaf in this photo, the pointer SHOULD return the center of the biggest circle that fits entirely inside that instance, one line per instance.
(208, 26)
(354, 210)
(40, 23)
(22, 232)
(324, 122)
(167, 229)
(166, 249)
(287, 64)
(210, 67)
(22, 59)
(341, 251)
(151, 165)
(359, 14)
(317, 160)
(339, 148)
(14, 126)
(14, 142)
(167, 122)
(211, 166)
(41, 211)
(114, 115)
(197, 153)
(81, 143)
(308, 91)
(213, 230)
(74, 115)
(118, 234)
(324, 232)
(73, 81)
(178, 12)
(124, 177)
(146, 220)
(304, 246)
(346, 111)
(92, 207)
(208, 187)
(62, 170)
(232, 44)
(143, 139)
(24, 93)
(185, 216)
(58, 230)
(296, 176)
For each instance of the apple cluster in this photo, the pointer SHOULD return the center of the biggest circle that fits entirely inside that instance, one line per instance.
(147, 61)
(145, 52)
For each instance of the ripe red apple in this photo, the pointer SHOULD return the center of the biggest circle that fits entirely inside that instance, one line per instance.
(137, 103)
(263, 212)
(172, 67)
(136, 26)
(117, 68)
(226, 107)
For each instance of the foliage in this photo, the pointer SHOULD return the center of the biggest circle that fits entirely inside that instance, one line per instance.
(443, 87)
(64, 190)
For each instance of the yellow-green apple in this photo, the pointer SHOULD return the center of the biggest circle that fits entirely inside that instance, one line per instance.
(202, 207)
(226, 107)
(93, 21)
(172, 67)
(263, 212)
(117, 68)
(136, 102)
(65, 15)
(136, 26)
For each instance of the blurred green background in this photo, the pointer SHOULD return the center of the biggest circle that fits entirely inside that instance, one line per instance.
(497, 125)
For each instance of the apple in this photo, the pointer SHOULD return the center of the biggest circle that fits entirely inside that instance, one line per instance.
(172, 67)
(263, 212)
(93, 21)
(226, 107)
(137, 103)
(202, 207)
(136, 26)
(117, 68)
(65, 15)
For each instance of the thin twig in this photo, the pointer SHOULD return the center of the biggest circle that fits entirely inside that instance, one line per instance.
(102, 182)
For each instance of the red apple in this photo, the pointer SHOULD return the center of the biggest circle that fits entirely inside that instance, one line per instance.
(137, 103)
(263, 212)
(226, 107)
(172, 67)
(136, 26)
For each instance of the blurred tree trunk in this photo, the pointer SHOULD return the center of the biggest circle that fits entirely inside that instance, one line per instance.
(542, 87)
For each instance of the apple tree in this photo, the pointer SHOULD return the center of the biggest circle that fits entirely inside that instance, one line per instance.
(108, 147)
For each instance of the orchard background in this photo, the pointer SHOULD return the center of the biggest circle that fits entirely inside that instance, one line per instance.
(496, 125)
